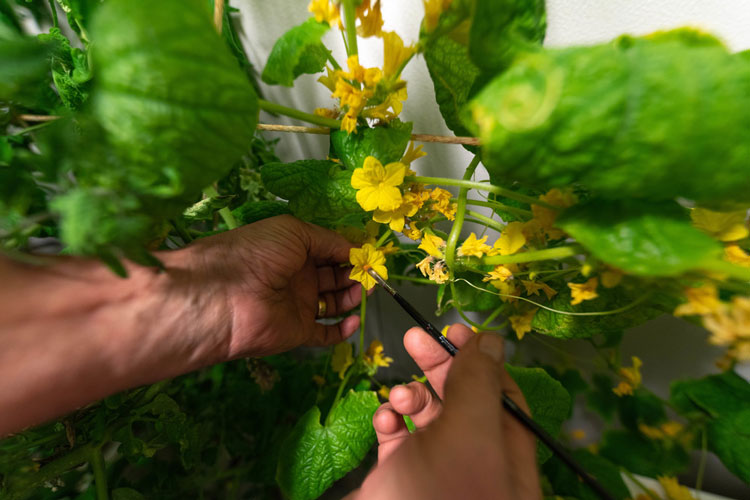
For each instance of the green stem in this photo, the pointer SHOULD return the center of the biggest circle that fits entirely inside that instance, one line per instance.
(362, 316)
(500, 206)
(401, 277)
(225, 213)
(487, 221)
(100, 474)
(351, 27)
(273, 107)
(450, 244)
(55, 21)
(702, 463)
(556, 253)
(27, 486)
(383, 238)
(340, 390)
(492, 316)
(480, 186)
(34, 128)
(333, 62)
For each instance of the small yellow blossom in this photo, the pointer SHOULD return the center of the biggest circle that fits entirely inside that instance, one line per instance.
(384, 392)
(370, 18)
(673, 490)
(425, 266)
(667, 430)
(377, 186)
(521, 323)
(432, 11)
(342, 358)
(374, 355)
(388, 249)
(583, 291)
(394, 54)
(363, 259)
(700, 300)
(325, 11)
(611, 278)
(500, 273)
(730, 326)
(631, 378)
(474, 247)
(737, 255)
(506, 288)
(724, 226)
(397, 218)
(319, 381)
(326, 112)
(578, 434)
(546, 217)
(442, 203)
(440, 273)
(330, 79)
(511, 239)
(533, 287)
(412, 154)
(413, 233)
(433, 245)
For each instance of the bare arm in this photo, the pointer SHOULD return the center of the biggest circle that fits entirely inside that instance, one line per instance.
(71, 332)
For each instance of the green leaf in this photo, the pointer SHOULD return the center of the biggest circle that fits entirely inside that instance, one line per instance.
(729, 438)
(600, 398)
(548, 401)
(126, 494)
(649, 239)
(298, 51)
(23, 71)
(70, 70)
(80, 13)
(717, 395)
(253, 211)
(314, 456)
(644, 456)
(453, 75)
(566, 326)
(318, 191)
(502, 29)
(386, 143)
(641, 408)
(205, 209)
(169, 95)
(635, 118)
(566, 483)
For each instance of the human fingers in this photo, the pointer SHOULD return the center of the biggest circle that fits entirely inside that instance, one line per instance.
(324, 245)
(323, 335)
(430, 356)
(337, 303)
(332, 278)
(416, 400)
(390, 430)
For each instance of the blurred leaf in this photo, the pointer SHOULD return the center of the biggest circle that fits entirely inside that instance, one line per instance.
(644, 456)
(298, 51)
(567, 483)
(253, 211)
(386, 143)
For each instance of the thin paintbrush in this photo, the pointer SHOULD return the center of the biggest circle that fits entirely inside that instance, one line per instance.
(508, 403)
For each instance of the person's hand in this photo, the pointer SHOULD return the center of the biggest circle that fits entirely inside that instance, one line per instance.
(265, 280)
(467, 448)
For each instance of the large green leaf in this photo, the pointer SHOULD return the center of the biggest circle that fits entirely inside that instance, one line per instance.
(386, 143)
(315, 455)
(298, 51)
(565, 325)
(729, 438)
(503, 28)
(23, 70)
(650, 239)
(169, 94)
(564, 482)
(318, 191)
(646, 118)
(548, 401)
(70, 69)
(253, 211)
(644, 456)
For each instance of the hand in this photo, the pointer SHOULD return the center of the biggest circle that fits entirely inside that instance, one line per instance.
(268, 277)
(469, 447)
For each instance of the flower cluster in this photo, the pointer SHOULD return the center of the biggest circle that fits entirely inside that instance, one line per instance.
(631, 378)
(372, 93)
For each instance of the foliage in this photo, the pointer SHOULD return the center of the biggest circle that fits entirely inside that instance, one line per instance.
(598, 216)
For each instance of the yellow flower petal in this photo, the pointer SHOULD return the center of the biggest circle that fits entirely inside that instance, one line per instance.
(511, 240)
(724, 226)
(433, 245)
(474, 247)
(521, 323)
(583, 291)
(342, 358)
(364, 258)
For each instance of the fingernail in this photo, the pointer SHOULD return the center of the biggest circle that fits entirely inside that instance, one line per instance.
(492, 346)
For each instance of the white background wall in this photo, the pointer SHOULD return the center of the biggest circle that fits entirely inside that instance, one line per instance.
(669, 348)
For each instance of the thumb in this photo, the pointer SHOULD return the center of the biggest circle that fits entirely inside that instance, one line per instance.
(326, 246)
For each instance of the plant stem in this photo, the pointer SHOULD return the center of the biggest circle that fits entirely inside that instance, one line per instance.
(26, 486)
(225, 213)
(340, 390)
(500, 206)
(351, 27)
(333, 62)
(100, 474)
(487, 221)
(218, 15)
(480, 186)
(401, 277)
(702, 463)
(362, 315)
(492, 316)
(383, 238)
(33, 128)
(53, 9)
(450, 244)
(273, 107)
(546, 254)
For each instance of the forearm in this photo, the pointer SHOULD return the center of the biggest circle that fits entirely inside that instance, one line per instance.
(71, 333)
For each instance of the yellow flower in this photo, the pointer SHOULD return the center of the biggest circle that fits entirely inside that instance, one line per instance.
(506, 288)
(500, 273)
(578, 434)
(412, 154)
(474, 247)
(432, 11)
(433, 245)
(533, 287)
(388, 249)
(325, 11)
(583, 291)
(394, 53)
(667, 430)
(377, 186)
(736, 255)
(384, 392)
(413, 233)
(730, 326)
(363, 259)
(511, 239)
(441, 202)
(546, 216)
(521, 323)
(424, 266)
(370, 18)
(631, 378)
(349, 123)
(374, 355)
(673, 490)
(396, 218)
(330, 79)
(724, 226)
(611, 278)
(342, 358)
(319, 381)
(327, 113)
(439, 273)
(701, 300)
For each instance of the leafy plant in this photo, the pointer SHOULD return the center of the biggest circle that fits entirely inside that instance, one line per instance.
(617, 192)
